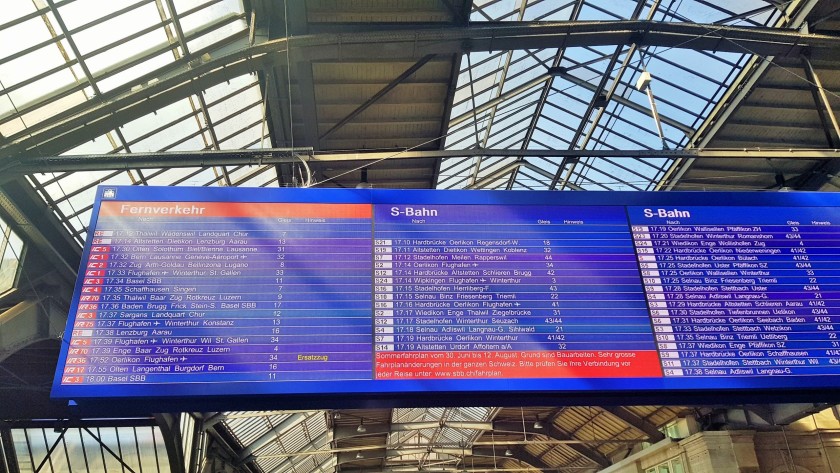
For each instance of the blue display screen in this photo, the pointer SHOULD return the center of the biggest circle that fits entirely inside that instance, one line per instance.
(196, 292)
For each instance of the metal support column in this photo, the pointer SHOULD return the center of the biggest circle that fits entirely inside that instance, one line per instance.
(819, 175)
(815, 79)
(171, 432)
(198, 451)
(8, 459)
(382, 92)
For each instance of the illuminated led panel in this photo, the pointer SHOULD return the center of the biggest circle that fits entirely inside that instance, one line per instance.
(203, 292)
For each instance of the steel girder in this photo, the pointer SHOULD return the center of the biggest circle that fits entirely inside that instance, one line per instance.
(741, 87)
(94, 118)
(15, 168)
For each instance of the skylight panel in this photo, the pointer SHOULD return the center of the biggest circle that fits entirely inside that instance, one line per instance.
(493, 10)
(49, 109)
(221, 90)
(26, 90)
(709, 12)
(485, 68)
(141, 45)
(153, 121)
(464, 133)
(170, 176)
(169, 135)
(546, 141)
(100, 145)
(119, 52)
(223, 31)
(571, 99)
(144, 67)
(253, 176)
(21, 36)
(243, 138)
(210, 12)
(186, 5)
(548, 165)
(488, 166)
(685, 83)
(234, 122)
(114, 30)
(548, 9)
(74, 194)
(242, 108)
(596, 181)
(523, 68)
(9, 126)
(120, 42)
(11, 248)
(509, 142)
(15, 10)
(605, 10)
(82, 12)
(456, 174)
(142, 449)
(70, 183)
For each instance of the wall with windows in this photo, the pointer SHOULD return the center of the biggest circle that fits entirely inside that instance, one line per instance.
(86, 450)
(810, 445)
(11, 249)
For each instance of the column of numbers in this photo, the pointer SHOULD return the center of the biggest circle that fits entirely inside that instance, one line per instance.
(383, 295)
(86, 320)
(660, 316)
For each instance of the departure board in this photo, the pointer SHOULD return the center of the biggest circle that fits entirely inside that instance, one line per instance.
(202, 292)
(749, 292)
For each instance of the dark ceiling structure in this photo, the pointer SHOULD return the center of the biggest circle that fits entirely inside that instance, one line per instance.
(424, 94)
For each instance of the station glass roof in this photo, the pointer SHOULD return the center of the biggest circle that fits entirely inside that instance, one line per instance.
(55, 55)
(585, 97)
(58, 55)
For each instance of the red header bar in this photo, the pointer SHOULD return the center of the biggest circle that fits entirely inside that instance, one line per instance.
(234, 209)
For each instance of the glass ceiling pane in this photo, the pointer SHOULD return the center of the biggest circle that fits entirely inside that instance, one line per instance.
(21, 36)
(225, 30)
(23, 68)
(113, 30)
(33, 91)
(556, 9)
(252, 176)
(82, 12)
(446, 435)
(153, 121)
(173, 132)
(230, 116)
(141, 448)
(182, 176)
(236, 114)
(15, 10)
(107, 35)
(221, 91)
(11, 249)
(242, 138)
(573, 116)
(206, 15)
(708, 12)
(233, 114)
(42, 83)
(198, 141)
(126, 76)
